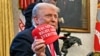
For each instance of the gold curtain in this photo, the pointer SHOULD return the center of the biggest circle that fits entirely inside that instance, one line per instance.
(6, 26)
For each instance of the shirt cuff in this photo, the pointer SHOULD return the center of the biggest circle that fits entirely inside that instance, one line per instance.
(34, 54)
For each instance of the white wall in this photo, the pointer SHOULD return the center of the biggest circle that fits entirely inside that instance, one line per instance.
(86, 38)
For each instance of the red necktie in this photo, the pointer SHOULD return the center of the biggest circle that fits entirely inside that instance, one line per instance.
(52, 49)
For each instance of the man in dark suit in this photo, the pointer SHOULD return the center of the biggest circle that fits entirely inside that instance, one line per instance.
(24, 44)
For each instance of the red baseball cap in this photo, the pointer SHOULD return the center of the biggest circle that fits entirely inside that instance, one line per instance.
(45, 32)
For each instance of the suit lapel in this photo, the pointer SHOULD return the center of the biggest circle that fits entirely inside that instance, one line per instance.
(56, 46)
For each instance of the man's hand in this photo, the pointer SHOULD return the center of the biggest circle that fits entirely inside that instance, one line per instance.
(38, 47)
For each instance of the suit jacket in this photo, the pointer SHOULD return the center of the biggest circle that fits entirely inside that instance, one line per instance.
(21, 45)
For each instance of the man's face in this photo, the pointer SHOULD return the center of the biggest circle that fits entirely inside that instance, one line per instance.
(48, 16)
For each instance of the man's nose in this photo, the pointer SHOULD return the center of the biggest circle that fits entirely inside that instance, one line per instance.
(53, 19)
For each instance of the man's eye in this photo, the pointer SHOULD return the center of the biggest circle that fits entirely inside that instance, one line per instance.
(56, 16)
(48, 15)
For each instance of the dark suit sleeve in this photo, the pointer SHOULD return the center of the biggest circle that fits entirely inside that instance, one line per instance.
(21, 45)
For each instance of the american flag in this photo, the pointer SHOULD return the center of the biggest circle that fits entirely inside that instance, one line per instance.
(97, 30)
(23, 4)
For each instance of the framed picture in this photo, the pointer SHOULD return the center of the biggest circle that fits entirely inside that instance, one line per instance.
(96, 54)
(74, 15)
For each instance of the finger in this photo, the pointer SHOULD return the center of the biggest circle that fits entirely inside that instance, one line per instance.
(38, 42)
(40, 47)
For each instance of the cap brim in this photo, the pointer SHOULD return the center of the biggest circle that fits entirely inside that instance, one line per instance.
(51, 39)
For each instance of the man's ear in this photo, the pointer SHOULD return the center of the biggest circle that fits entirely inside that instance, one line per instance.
(36, 20)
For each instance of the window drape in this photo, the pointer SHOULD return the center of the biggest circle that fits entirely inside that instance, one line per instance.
(6, 26)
